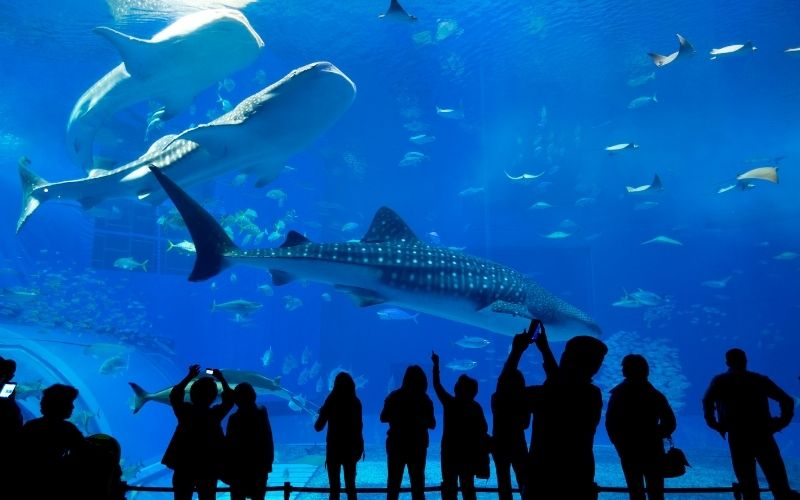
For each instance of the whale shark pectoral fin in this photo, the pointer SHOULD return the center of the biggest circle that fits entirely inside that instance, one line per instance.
(135, 52)
(173, 105)
(503, 307)
(363, 297)
(265, 173)
(280, 278)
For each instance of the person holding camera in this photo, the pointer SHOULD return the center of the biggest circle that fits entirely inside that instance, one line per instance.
(11, 423)
(736, 403)
(195, 452)
(566, 411)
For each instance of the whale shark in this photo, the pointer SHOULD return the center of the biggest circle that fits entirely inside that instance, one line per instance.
(256, 137)
(390, 265)
(172, 67)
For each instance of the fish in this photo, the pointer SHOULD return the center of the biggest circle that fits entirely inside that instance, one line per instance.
(642, 101)
(349, 227)
(523, 178)
(290, 302)
(646, 205)
(262, 385)
(450, 113)
(257, 136)
(557, 235)
(266, 358)
(585, 202)
(393, 313)
(184, 246)
(641, 80)
(786, 256)
(238, 306)
(654, 186)
(391, 265)
(422, 138)
(627, 301)
(129, 264)
(769, 173)
(717, 283)
(305, 357)
(472, 191)
(114, 365)
(621, 147)
(646, 298)
(684, 49)
(397, 12)
(540, 205)
(326, 297)
(736, 49)
(662, 239)
(472, 342)
(171, 67)
(462, 365)
(792, 51)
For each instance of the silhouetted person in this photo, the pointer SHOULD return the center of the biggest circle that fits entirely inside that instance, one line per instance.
(341, 411)
(51, 447)
(409, 413)
(464, 436)
(638, 420)
(195, 452)
(737, 404)
(102, 471)
(511, 416)
(566, 410)
(11, 425)
(249, 446)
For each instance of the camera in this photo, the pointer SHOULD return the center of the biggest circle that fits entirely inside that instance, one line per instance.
(7, 390)
(535, 329)
(209, 371)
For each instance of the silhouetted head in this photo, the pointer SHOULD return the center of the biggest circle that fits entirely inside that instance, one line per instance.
(106, 445)
(7, 369)
(58, 401)
(203, 391)
(582, 358)
(512, 381)
(635, 367)
(466, 387)
(344, 386)
(415, 379)
(244, 395)
(736, 359)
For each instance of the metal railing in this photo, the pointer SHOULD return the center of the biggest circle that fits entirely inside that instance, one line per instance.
(288, 489)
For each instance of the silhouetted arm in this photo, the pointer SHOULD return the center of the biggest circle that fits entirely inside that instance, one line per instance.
(548, 359)
(666, 418)
(227, 395)
(178, 392)
(441, 392)
(784, 401)
(519, 343)
(430, 417)
(710, 407)
(322, 419)
(613, 420)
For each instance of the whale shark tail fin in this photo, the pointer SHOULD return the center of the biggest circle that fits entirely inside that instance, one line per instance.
(32, 186)
(212, 243)
(140, 397)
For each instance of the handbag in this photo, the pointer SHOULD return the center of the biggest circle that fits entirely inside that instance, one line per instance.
(675, 463)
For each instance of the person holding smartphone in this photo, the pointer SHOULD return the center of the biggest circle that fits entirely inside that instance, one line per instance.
(566, 411)
(195, 452)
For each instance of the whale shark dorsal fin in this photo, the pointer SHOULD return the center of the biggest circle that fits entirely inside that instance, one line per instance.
(388, 226)
(135, 52)
(293, 238)
(656, 185)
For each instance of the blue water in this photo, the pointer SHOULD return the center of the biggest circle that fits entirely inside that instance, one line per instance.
(543, 89)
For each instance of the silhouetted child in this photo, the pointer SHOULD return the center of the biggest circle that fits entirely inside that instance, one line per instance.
(409, 413)
(511, 416)
(11, 425)
(341, 411)
(638, 420)
(51, 447)
(736, 403)
(195, 452)
(566, 411)
(249, 446)
(465, 452)
(103, 474)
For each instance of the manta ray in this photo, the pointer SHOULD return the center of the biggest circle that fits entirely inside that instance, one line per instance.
(172, 67)
(257, 137)
(390, 265)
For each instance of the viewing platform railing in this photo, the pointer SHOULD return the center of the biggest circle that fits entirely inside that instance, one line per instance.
(288, 489)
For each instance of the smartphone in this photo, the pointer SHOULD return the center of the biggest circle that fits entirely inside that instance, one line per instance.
(537, 330)
(209, 371)
(7, 390)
